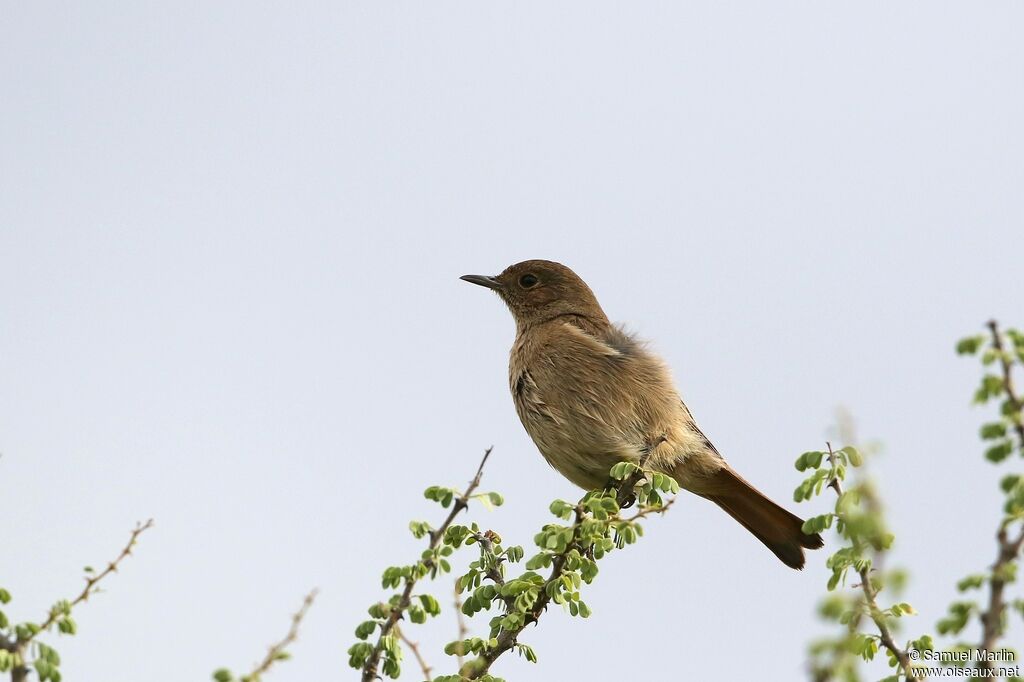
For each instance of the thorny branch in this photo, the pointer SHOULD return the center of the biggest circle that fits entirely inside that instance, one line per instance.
(1008, 548)
(1007, 366)
(644, 513)
(19, 645)
(507, 639)
(871, 599)
(493, 569)
(277, 651)
(845, 431)
(373, 661)
(415, 649)
(92, 581)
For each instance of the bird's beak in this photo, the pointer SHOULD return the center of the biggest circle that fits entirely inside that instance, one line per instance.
(482, 280)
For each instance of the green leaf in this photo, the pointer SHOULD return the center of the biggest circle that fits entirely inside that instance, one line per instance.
(623, 470)
(957, 618)
(1000, 451)
(419, 528)
(515, 553)
(969, 345)
(365, 629)
(391, 668)
(5, 596)
(67, 625)
(923, 643)
(26, 630)
(456, 535)
(439, 494)
(809, 460)
(43, 668)
(223, 675)
(358, 653)
(816, 524)
(853, 455)
(991, 386)
(993, 430)
(48, 654)
(430, 604)
(971, 582)
(562, 509)
(527, 652)
(1006, 573)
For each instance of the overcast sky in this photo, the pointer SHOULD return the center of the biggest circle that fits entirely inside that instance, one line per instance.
(230, 241)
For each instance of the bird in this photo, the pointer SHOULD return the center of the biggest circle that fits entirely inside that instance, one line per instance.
(590, 394)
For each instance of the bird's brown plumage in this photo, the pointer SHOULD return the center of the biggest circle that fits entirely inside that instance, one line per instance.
(590, 395)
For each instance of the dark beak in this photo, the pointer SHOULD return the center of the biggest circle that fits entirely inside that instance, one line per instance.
(482, 280)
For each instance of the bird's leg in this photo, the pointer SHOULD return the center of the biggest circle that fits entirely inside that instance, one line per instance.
(627, 498)
(622, 491)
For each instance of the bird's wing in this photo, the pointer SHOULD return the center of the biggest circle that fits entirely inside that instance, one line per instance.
(692, 425)
(606, 388)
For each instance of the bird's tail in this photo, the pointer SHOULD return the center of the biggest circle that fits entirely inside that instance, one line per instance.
(778, 529)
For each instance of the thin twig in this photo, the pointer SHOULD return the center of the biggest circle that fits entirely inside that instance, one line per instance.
(1008, 549)
(644, 513)
(415, 649)
(277, 651)
(373, 660)
(871, 598)
(91, 581)
(463, 629)
(20, 644)
(1011, 394)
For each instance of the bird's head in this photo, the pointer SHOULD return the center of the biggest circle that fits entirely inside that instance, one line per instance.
(539, 290)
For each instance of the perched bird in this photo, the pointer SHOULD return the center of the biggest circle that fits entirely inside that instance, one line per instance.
(591, 395)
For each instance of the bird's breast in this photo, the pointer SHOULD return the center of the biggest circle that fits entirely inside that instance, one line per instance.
(587, 405)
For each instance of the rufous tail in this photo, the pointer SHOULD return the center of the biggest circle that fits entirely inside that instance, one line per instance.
(778, 529)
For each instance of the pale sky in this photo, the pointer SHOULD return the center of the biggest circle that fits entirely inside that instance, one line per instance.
(230, 241)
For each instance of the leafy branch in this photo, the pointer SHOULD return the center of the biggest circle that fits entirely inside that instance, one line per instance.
(1006, 351)
(385, 616)
(859, 522)
(16, 646)
(276, 652)
(570, 552)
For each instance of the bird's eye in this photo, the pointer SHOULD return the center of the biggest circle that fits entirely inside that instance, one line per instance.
(527, 281)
